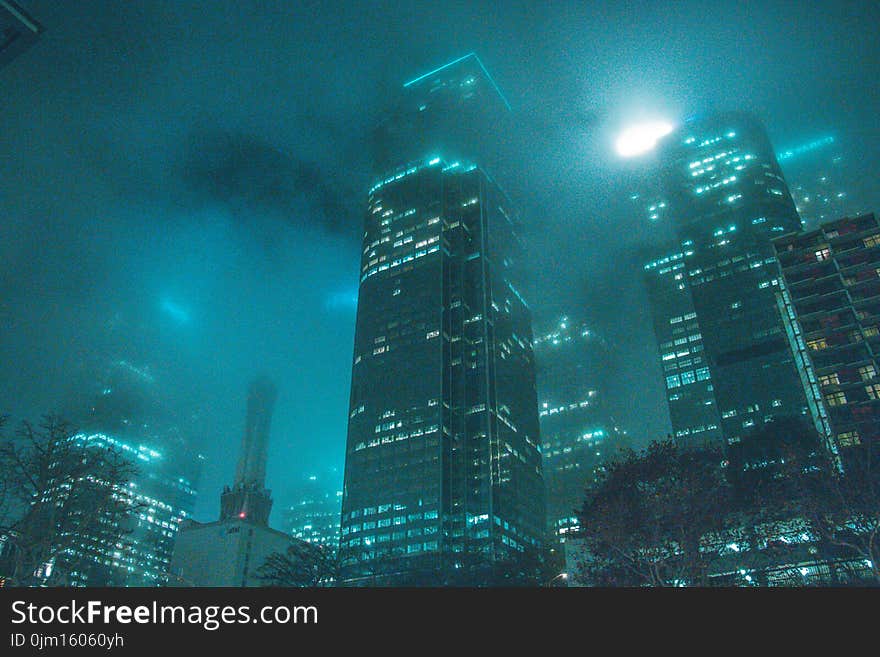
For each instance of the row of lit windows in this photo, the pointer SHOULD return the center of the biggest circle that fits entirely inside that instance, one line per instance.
(686, 378)
(694, 430)
(545, 410)
(397, 263)
(839, 398)
(404, 435)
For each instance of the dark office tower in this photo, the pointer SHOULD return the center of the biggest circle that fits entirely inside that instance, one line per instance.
(248, 498)
(577, 430)
(443, 468)
(831, 300)
(18, 31)
(723, 349)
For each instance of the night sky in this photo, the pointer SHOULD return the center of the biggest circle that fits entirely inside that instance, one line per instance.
(184, 182)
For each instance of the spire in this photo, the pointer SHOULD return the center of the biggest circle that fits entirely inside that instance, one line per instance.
(248, 499)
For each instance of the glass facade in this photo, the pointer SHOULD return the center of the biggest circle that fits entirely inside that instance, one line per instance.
(130, 417)
(314, 516)
(723, 350)
(577, 431)
(443, 464)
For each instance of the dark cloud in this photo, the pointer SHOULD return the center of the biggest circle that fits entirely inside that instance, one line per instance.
(252, 178)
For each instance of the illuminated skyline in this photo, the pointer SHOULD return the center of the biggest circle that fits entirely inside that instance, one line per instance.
(220, 163)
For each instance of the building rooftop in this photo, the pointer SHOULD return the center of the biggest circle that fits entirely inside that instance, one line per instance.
(470, 59)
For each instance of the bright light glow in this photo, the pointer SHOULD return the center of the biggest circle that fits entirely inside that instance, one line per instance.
(641, 138)
(175, 311)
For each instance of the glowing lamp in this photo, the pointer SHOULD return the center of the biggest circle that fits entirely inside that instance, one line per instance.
(641, 138)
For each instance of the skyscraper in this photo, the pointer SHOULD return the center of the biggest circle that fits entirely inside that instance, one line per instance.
(131, 415)
(18, 31)
(577, 431)
(313, 516)
(248, 496)
(831, 304)
(443, 467)
(725, 358)
(820, 179)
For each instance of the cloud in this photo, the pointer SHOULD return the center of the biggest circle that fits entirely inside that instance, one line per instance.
(252, 177)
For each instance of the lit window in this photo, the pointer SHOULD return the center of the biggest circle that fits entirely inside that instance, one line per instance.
(673, 381)
(829, 380)
(823, 254)
(867, 372)
(873, 391)
(848, 439)
(835, 399)
(818, 344)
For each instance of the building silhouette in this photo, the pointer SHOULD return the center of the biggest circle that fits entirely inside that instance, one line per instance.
(723, 350)
(231, 551)
(578, 433)
(248, 497)
(820, 178)
(443, 476)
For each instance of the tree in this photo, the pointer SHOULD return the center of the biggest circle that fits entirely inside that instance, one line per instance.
(60, 492)
(647, 521)
(778, 507)
(301, 565)
(843, 507)
(785, 474)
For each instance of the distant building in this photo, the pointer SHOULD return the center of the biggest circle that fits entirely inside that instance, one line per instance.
(18, 31)
(132, 416)
(577, 430)
(443, 462)
(723, 351)
(313, 516)
(248, 497)
(831, 303)
(231, 551)
(818, 174)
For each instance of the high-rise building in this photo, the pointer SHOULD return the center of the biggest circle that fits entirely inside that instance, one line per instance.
(248, 497)
(313, 516)
(820, 178)
(443, 467)
(578, 432)
(131, 416)
(722, 345)
(831, 303)
(231, 551)
(18, 31)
